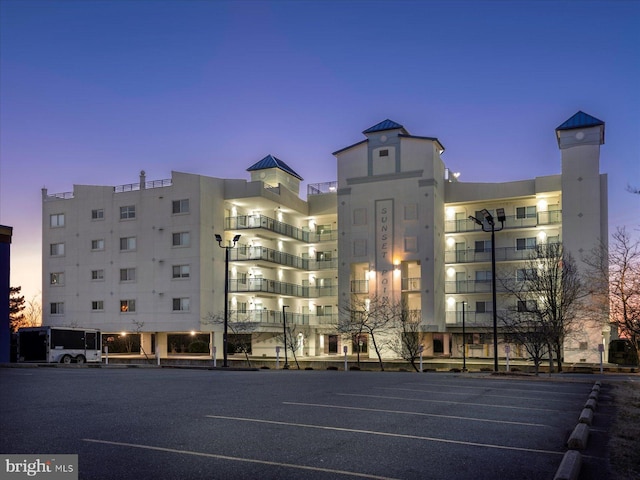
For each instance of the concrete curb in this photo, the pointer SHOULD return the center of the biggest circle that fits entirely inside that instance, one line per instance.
(571, 464)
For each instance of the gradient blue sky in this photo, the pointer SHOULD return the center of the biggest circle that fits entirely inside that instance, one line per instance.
(91, 92)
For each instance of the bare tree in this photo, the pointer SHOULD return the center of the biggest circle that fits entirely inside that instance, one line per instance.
(33, 312)
(615, 275)
(548, 293)
(409, 344)
(239, 328)
(372, 316)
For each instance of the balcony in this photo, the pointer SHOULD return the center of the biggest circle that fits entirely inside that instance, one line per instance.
(512, 221)
(359, 286)
(471, 255)
(264, 285)
(467, 286)
(274, 318)
(411, 284)
(246, 222)
(473, 319)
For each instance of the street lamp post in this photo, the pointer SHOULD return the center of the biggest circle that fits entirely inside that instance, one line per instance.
(284, 326)
(226, 293)
(464, 343)
(489, 220)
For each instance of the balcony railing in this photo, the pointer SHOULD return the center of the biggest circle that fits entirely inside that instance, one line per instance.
(274, 317)
(467, 286)
(247, 253)
(322, 188)
(265, 285)
(471, 255)
(512, 221)
(244, 222)
(359, 286)
(411, 284)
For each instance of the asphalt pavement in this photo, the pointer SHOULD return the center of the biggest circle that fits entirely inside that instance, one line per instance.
(153, 423)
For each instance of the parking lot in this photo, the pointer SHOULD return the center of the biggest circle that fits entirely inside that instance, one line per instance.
(149, 423)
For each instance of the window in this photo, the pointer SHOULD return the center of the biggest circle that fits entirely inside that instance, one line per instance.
(97, 214)
(56, 278)
(483, 246)
(127, 212)
(127, 306)
(242, 278)
(526, 274)
(323, 256)
(127, 274)
(525, 243)
(127, 243)
(181, 304)
(384, 153)
(97, 244)
(56, 249)
(97, 274)
(181, 239)
(483, 307)
(483, 276)
(526, 212)
(180, 206)
(181, 271)
(97, 305)
(56, 308)
(322, 229)
(526, 305)
(56, 220)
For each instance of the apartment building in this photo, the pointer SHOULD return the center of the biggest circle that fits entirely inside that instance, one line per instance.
(143, 258)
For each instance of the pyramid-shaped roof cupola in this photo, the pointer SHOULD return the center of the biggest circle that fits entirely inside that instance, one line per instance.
(385, 125)
(580, 120)
(273, 162)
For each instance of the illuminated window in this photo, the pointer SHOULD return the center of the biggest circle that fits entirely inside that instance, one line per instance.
(56, 278)
(127, 306)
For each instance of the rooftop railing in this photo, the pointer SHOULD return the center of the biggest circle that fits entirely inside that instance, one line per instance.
(322, 188)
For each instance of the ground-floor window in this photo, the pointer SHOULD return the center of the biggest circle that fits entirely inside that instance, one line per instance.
(239, 343)
(438, 343)
(123, 343)
(186, 343)
(360, 343)
(333, 344)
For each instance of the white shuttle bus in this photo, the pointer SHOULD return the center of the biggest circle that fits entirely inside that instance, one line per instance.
(59, 345)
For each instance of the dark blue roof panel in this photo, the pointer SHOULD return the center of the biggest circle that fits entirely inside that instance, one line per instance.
(580, 120)
(272, 162)
(384, 125)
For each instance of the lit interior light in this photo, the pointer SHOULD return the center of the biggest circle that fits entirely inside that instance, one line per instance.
(451, 272)
(451, 241)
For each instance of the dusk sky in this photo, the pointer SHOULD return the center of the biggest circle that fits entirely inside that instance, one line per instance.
(92, 92)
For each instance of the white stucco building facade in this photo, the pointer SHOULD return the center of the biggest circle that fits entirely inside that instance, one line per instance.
(142, 258)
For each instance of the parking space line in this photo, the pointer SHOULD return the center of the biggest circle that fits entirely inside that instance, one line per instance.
(387, 434)
(419, 390)
(555, 392)
(454, 417)
(511, 407)
(239, 459)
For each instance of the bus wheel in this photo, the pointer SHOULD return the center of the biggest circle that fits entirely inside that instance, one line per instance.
(80, 359)
(66, 359)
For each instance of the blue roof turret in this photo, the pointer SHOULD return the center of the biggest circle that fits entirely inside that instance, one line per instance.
(273, 162)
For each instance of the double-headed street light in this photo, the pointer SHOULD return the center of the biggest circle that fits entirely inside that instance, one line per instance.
(284, 325)
(226, 292)
(489, 220)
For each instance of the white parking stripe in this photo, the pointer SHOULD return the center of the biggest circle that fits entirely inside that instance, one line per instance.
(454, 417)
(238, 459)
(504, 387)
(511, 407)
(386, 434)
(448, 392)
